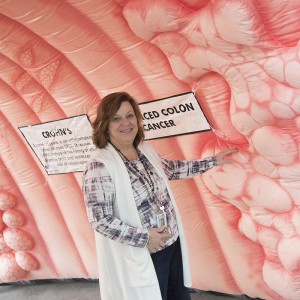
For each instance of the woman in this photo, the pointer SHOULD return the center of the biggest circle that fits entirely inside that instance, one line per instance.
(141, 247)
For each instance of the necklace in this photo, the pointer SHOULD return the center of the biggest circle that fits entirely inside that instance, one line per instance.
(147, 178)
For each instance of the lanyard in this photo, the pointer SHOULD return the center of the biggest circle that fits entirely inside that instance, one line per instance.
(147, 178)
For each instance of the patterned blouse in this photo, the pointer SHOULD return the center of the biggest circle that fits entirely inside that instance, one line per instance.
(149, 191)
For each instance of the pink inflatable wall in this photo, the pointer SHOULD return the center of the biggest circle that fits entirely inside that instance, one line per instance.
(241, 59)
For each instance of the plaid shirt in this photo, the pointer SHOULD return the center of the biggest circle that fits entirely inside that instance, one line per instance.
(99, 193)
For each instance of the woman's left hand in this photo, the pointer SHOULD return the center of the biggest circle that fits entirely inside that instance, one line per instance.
(220, 156)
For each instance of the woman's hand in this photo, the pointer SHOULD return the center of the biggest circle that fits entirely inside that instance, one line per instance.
(157, 238)
(220, 156)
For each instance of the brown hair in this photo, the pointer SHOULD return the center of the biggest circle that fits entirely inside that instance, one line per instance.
(106, 110)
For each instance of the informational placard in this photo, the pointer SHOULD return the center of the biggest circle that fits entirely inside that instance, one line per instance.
(62, 146)
(176, 115)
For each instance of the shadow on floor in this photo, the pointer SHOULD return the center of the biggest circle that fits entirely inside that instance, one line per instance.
(81, 289)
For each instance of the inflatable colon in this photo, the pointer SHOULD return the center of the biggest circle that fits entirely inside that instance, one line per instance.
(15, 261)
(262, 108)
(242, 61)
(13, 218)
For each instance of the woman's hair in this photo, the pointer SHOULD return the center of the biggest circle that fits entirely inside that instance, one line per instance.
(106, 110)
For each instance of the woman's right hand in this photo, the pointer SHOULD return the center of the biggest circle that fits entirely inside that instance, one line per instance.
(157, 238)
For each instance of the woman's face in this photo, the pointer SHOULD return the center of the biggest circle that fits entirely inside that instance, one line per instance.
(123, 127)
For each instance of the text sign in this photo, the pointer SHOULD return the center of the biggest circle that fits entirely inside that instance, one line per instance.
(177, 115)
(62, 146)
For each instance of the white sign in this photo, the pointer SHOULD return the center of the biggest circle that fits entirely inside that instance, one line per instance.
(177, 115)
(62, 146)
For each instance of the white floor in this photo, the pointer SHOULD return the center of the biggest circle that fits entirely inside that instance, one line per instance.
(79, 290)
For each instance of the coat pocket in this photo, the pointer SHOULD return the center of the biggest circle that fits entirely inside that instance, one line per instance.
(141, 271)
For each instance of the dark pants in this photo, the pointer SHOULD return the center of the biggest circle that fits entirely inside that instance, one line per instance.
(169, 271)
